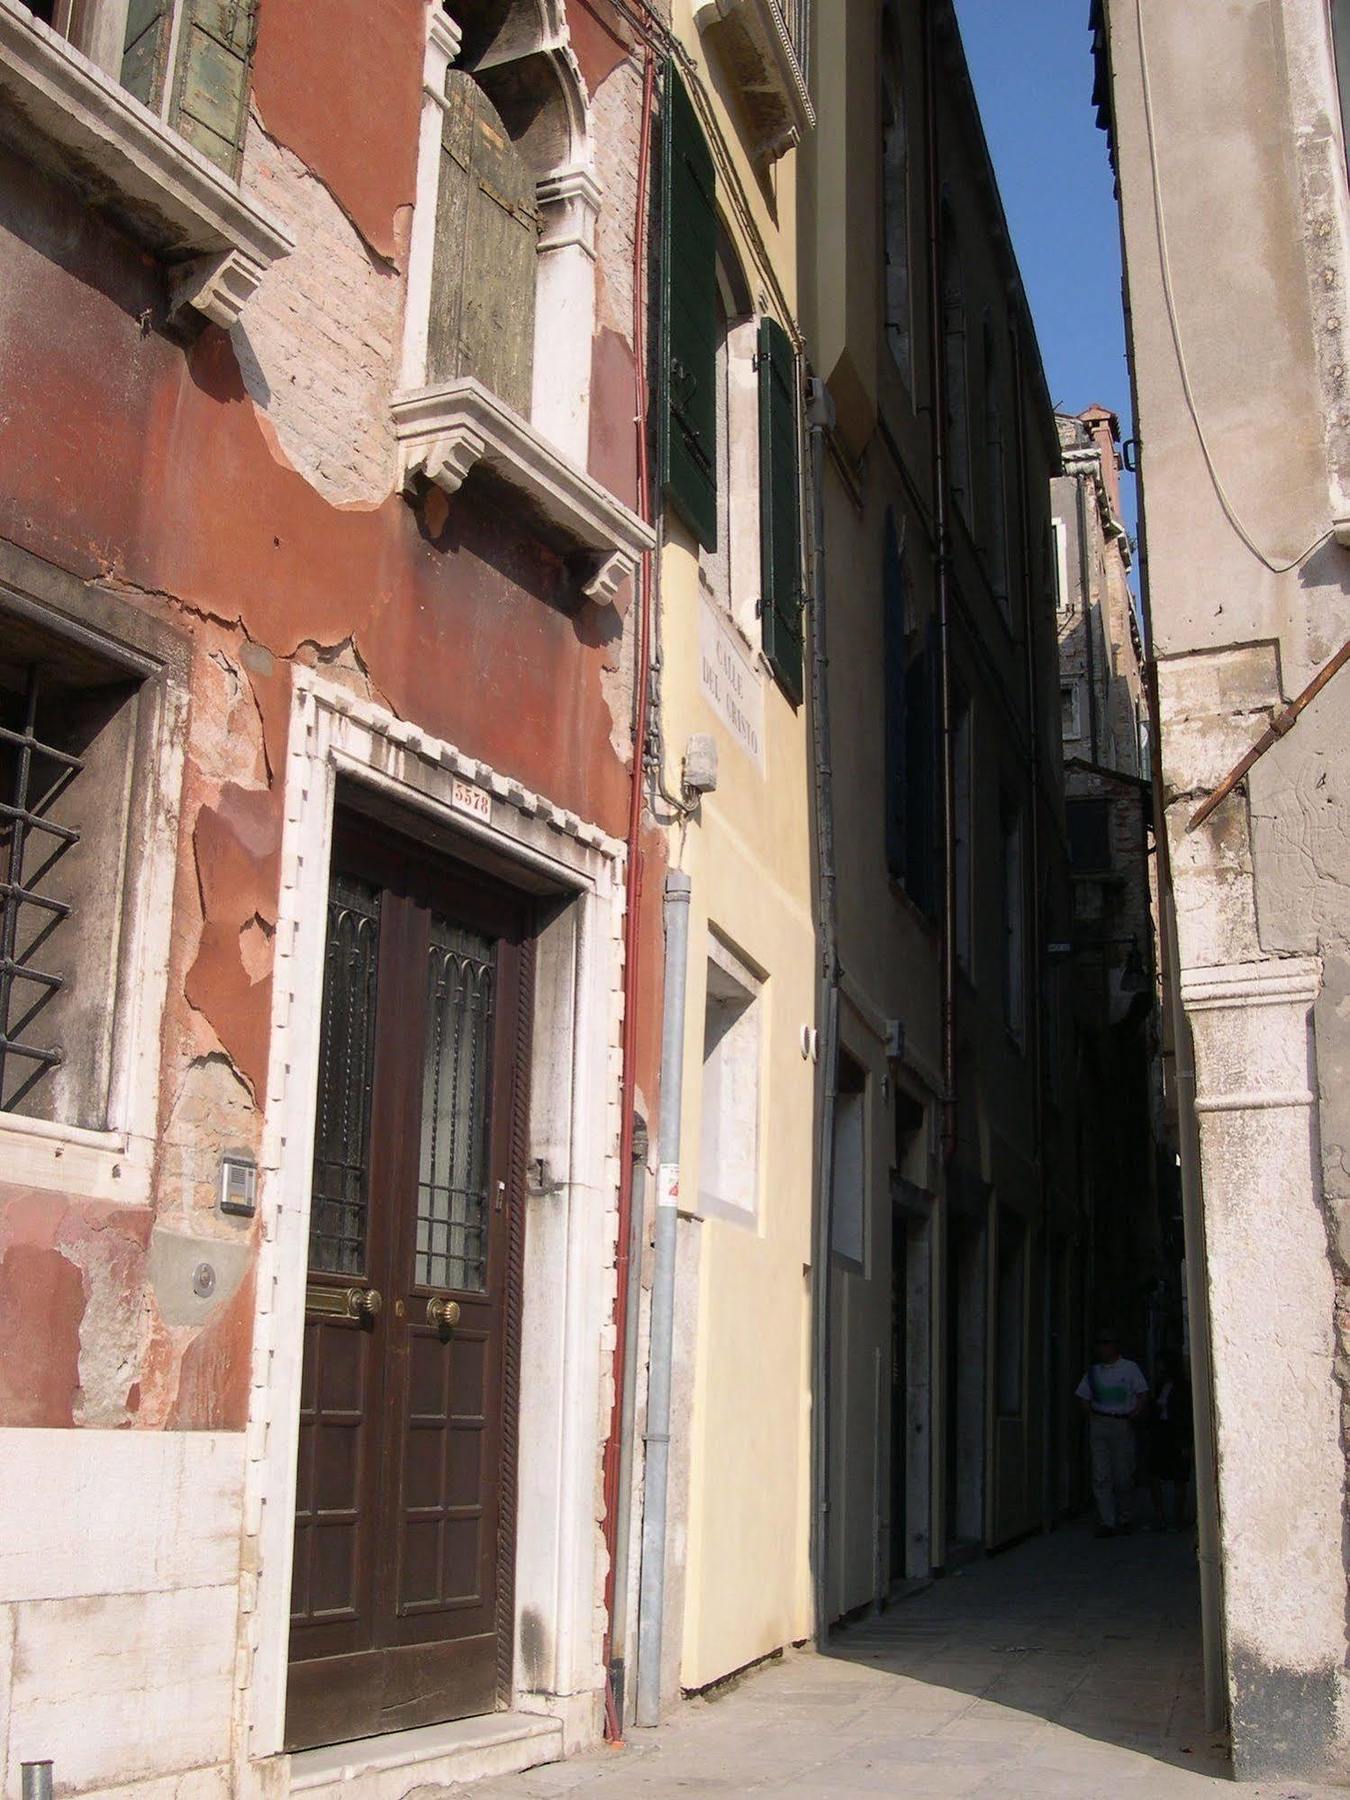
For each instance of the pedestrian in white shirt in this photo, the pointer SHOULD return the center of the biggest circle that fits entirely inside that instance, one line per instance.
(1113, 1394)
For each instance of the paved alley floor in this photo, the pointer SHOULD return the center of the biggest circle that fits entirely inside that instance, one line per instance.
(1065, 1667)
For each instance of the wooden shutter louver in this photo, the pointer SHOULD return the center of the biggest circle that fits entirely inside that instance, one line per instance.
(895, 653)
(482, 311)
(687, 367)
(145, 47)
(211, 84)
(780, 531)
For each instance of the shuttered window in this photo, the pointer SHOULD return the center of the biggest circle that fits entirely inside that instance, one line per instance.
(687, 409)
(780, 530)
(147, 45)
(208, 97)
(481, 319)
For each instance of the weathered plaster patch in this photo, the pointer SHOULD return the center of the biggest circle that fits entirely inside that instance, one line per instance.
(213, 1382)
(108, 1245)
(236, 844)
(212, 1111)
(316, 346)
(255, 948)
(41, 1304)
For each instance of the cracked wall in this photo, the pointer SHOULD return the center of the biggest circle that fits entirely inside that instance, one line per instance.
(238, 489)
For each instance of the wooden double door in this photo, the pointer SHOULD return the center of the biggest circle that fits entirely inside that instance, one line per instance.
(401, 1595)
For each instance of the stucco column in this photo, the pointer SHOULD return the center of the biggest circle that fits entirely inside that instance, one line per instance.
(564, 319)
(443, 39)
(1272, 1300)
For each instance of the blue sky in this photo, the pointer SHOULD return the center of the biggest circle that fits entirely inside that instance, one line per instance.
(1032, 66)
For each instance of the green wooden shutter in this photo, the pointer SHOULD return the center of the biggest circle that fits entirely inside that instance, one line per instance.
(211, 84)
(687, 370)
(780, 526)
(895, 653)
(487, 237)
(145, 49)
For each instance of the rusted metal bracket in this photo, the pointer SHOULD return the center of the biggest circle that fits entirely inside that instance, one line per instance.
(1282, 723)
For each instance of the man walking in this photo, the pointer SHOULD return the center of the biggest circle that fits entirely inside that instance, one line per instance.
(1113, 1395)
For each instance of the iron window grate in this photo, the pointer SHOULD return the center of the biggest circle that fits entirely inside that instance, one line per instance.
(22, 815)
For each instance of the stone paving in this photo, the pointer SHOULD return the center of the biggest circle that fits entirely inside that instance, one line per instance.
(1065, 1667)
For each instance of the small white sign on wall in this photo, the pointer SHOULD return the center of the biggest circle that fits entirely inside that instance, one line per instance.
(730, 683)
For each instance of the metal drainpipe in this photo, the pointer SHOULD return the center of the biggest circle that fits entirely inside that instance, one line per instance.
(652, 1589)
(36, 1780)
(618, 1636)
(1085, 581)
(941, 573)
(1037, 934)
(820, 416)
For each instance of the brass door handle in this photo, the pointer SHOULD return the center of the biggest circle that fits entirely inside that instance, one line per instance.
(443, 1312)
(344, 1303)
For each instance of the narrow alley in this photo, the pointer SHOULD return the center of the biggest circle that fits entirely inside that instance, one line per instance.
(1062, 1667)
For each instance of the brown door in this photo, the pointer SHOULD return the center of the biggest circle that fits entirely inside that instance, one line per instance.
(404, 1526)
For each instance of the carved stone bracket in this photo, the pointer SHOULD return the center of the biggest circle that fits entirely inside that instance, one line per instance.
(72, 118)
(217, 287)
(445, 432)
(757, 48)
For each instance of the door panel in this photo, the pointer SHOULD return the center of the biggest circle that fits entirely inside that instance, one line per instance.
(404, 1522)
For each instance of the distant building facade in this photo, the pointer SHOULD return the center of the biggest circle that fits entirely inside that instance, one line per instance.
(950, 1265)
(1227, 127)
(1134, 1275)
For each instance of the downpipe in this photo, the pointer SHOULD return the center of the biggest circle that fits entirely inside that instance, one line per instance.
(820, 419)
(652, 1589)
(617, 1499)
(618, 1633)
(941, 573)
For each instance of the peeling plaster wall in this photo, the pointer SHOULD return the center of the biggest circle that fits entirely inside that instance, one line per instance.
(316, 345)
(239, 489)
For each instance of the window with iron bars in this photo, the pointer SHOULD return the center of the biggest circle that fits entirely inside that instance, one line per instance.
(67, 762)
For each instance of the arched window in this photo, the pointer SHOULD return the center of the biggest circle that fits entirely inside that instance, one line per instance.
(481, 315)
(500, 311)
(895, 198)
(503, 253)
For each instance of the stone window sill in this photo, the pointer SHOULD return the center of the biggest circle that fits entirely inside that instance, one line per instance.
(756, 48)
(69, 117)
(445, 432)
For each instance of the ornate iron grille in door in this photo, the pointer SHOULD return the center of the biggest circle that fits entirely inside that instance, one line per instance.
(453, 1173)
(337, 1227)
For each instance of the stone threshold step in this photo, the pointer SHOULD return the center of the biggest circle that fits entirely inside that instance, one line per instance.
(389, 1766)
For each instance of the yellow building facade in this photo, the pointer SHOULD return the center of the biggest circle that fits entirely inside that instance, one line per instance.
(731, 689)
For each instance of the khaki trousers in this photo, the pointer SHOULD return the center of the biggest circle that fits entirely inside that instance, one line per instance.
(1112, 1444)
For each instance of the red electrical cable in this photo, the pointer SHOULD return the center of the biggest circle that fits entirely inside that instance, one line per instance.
(633, 887)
